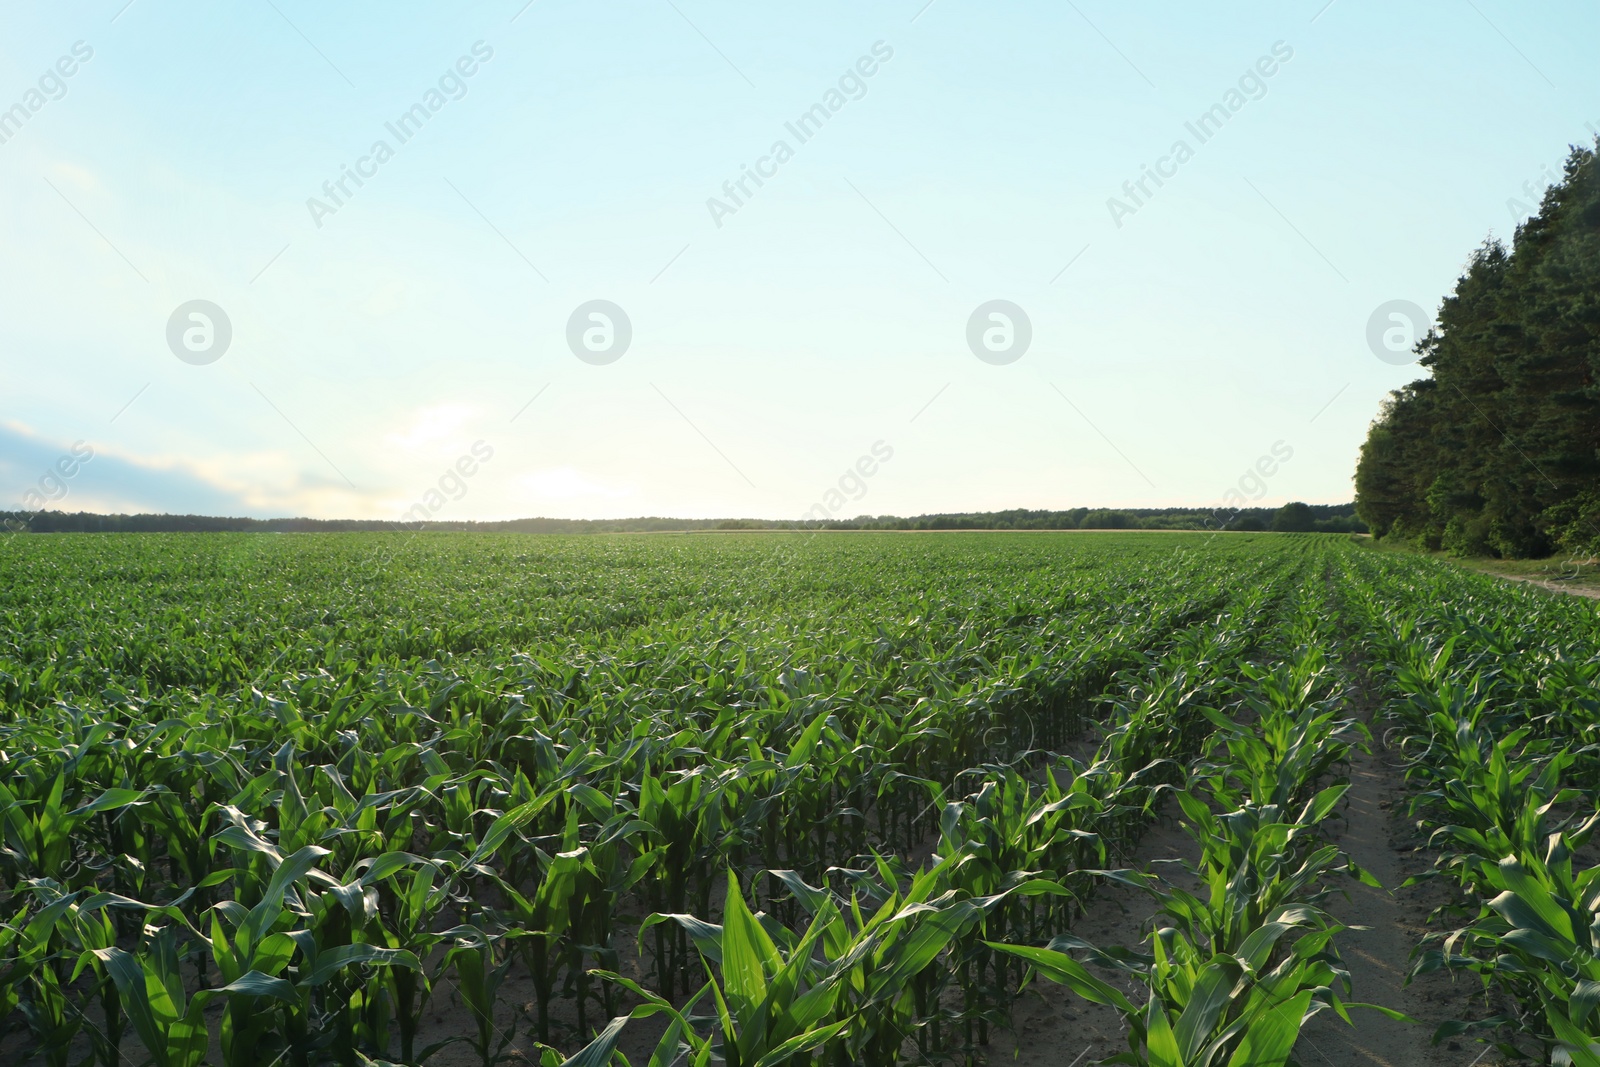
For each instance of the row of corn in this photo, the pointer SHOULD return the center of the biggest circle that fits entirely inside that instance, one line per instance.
(1241, 958)
(297, 871)
(710, 819)
(1495, 696)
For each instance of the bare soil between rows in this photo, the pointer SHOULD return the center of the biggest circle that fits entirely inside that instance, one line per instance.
(1056, 1029)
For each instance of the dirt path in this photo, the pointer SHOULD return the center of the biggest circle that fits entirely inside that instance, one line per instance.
(1589, 591)
(1375, 834)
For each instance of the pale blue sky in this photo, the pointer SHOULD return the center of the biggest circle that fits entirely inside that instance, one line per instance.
(1227, 314)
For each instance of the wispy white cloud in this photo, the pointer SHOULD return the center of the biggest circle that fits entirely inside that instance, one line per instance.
(109, 478)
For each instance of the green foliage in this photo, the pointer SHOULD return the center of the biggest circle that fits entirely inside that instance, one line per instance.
(1235, 971)
(1294, 517)
(278, 799)
(1499, 718)
(1487, 454)
(1110, 520)
(1575, 523)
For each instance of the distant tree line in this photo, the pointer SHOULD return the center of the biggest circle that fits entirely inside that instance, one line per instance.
(1498, 453)
(1295, 517)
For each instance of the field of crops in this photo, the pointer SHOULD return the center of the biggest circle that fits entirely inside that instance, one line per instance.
(764, 799)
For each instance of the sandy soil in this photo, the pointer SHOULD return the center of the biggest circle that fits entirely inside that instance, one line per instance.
(1054, 1028)
(1377, 836)
(1590, 591)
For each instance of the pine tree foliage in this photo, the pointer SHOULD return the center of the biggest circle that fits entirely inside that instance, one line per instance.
(1498, 452)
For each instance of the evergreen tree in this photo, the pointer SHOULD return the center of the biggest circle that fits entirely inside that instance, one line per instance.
(1499, 450)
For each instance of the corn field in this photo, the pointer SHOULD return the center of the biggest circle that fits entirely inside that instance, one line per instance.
(761, 800)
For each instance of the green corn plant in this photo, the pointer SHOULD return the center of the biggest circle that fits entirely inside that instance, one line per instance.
(258, 941)
(14, 962)
(544, 917)
(678, 815)
(479, 961)
(769, 1009)
(34, 982)
(1291, 740)
(889, 957)
(1539, 936)
(346, 925)
(843, 991)
(1491, 773)
(252, 947)
(879, 972)
(171, 1025)
(1492, 796)
(88, 929)
(1254, 861)
(610, 870)
(1239, 970)
(408, 910)
(1009, 847)
(42, 836)
(1209, 1009)
(766, 1009)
